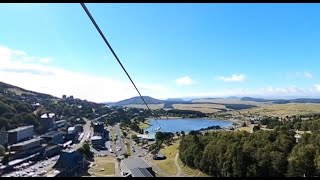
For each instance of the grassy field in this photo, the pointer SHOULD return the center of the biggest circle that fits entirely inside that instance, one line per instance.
(18, 92)
(205, 108)
(231, 101)
(190, 172)
(102, 166)
(144, 125)
(282, 110)
(168, 165)
(142, 106)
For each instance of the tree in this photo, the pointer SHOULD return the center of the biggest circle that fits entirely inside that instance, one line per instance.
(255, 128)
(182, 133)
(2, 150)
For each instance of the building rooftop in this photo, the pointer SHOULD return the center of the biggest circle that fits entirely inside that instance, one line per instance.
(20, 128)
(61, 121)
(70, 129)
(96, 138)
(50, 134)
(47, 115)
(140, 172)
(26, 142)
(132, 163)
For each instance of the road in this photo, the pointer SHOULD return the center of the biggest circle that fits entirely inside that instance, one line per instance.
(87, 134)
(120, 141)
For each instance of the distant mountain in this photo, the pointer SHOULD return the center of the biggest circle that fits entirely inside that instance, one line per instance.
(255, 99)
(136, 100)
(175, 99)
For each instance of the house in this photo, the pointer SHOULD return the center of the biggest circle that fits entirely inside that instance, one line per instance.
(70, 163)
(137, 167)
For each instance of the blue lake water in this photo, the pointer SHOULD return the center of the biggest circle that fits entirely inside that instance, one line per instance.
(186, 125)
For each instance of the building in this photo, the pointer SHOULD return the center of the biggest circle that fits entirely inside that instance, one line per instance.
(79, 127)
(98, 128)
(25, 148)
(19, 134)
(140, 172)
(137, 167)
(72, 130)
(64, 97)
(47, 121)
(71, 134)
(53, 137)
(146, 137)
(69, 163)
(97, 141)
(3, 136)
(52, 150)
(60, 123)
(159, 157)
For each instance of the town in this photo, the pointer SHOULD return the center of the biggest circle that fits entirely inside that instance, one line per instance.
(61, 148)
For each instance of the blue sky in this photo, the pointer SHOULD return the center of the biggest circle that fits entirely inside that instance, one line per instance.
(170, 50)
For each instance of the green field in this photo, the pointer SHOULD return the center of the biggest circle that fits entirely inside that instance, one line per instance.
(144, 125)
(102, 166)
(205, 108)
(168, 165)
(282, 110)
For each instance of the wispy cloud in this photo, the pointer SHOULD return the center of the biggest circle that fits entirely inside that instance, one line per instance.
(233, 78)
(38, 75)
(186, 80)
(308, 75)
(299, 75)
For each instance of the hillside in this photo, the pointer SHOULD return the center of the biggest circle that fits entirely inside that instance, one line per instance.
(8, 88)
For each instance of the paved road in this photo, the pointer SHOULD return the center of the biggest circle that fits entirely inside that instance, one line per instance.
(120, 141)
(87, 134)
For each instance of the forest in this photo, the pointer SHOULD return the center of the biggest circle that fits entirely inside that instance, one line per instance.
(243, 154)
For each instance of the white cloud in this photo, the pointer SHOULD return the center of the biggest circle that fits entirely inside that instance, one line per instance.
(308, 75)
(233, 78)
(45, 60)
(186, 80)
(36, 75)
(317, 87)
(299, 75)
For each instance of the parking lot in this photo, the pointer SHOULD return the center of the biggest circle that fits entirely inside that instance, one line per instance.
(31, 169)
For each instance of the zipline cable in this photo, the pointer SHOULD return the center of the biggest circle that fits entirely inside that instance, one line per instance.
(114, 54)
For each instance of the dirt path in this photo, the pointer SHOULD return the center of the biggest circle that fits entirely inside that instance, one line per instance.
(179, 173)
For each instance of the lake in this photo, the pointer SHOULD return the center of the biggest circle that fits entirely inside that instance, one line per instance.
(186, 125)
